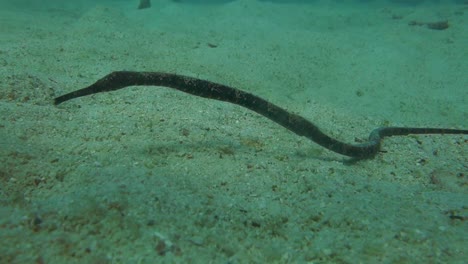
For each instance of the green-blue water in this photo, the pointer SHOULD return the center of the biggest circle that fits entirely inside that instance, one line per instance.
(152, 175)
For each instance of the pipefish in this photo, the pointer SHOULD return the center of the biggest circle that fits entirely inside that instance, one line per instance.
(293, 122)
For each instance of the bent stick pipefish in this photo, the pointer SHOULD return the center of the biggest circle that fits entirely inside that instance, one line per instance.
(293, 122)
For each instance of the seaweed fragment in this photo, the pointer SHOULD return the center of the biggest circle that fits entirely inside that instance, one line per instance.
(144, 4)
(438, 25)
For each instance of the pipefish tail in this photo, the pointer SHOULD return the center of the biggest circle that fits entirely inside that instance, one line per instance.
(295, 123)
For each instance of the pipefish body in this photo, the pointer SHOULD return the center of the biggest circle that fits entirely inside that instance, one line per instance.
(293, 122)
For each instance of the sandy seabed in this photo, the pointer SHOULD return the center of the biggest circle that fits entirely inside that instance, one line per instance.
(152, 175)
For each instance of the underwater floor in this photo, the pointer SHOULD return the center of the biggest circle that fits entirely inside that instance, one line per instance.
(153, 175)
